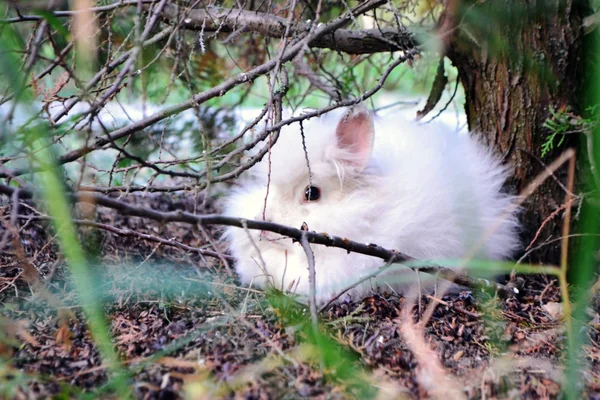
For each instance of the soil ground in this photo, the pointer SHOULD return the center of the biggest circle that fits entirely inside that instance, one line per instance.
(184, 327)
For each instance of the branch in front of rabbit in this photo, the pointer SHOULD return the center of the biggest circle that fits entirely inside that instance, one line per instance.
(389, 256)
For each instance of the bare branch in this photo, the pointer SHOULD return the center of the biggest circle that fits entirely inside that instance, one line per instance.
(370, 249)
(140, 235)
(211, 19)
(99, 9)
(107, 69)
(219, 19)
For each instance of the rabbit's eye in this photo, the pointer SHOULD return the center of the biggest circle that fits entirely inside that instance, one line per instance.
(312, 193)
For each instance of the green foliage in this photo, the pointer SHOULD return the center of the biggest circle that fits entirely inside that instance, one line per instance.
(557, 127)
(561, 123)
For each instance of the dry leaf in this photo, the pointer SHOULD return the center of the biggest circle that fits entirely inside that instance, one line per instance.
(554, 310)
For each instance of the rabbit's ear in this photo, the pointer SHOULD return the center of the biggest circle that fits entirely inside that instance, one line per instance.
(355, 132)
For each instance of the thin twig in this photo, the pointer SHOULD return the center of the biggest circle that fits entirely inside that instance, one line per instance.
(549, 242)
(144, 236)
(312, 280)
(70, 13)
(548, 219)
(108, 68)
(33, 57)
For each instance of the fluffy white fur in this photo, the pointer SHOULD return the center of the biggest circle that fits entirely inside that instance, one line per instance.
(426, 191)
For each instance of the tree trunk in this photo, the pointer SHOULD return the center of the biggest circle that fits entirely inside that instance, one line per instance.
(518, 60)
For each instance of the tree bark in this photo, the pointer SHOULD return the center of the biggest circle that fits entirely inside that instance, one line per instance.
(517, 60)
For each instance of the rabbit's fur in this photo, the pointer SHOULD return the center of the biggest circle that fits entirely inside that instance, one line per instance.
(423, 190)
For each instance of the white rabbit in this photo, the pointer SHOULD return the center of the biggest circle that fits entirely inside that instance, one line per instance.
(423, 190)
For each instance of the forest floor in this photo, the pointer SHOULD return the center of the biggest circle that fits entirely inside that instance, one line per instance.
(183, 327)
